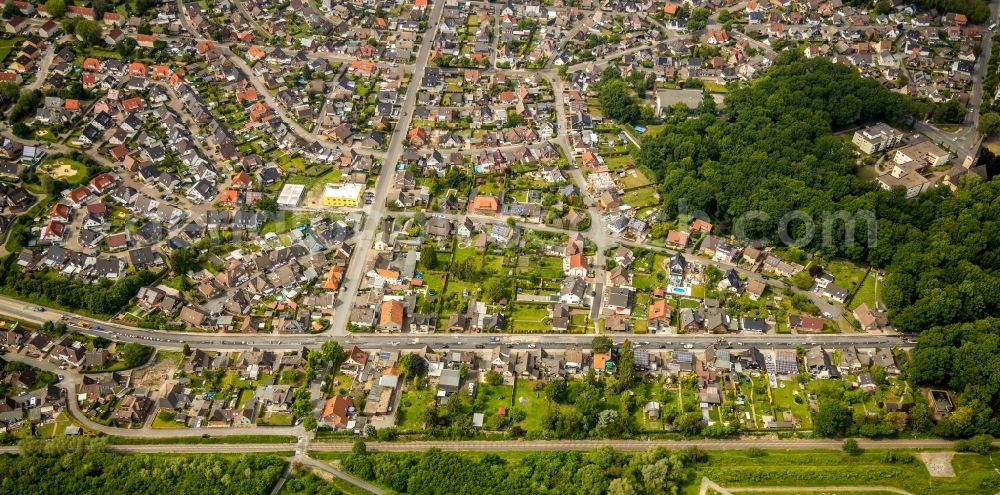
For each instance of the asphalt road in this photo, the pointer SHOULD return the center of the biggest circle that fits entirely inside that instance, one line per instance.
(542, 445)
(230, 342)
(376, 211)
(72, 379)
(965, 141)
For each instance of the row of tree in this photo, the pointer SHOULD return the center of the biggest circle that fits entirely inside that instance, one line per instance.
(73, 465)
(601, 471)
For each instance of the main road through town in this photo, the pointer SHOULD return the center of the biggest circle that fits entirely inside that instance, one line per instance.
(539, 445)
(214, 341)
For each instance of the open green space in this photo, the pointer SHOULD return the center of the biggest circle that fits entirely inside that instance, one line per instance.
(818, 468)
(846, 274)
(82, 465)
(606, 471)
(410, 417)
(527, 317)
(193, 439)
(867, 293)
(7, 45)
(641, 197)
(65, 169)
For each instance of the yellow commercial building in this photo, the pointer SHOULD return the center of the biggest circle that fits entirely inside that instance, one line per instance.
(348, 195)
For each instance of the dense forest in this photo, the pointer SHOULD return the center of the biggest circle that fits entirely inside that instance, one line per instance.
(52, 289)
(774, 150)
(964, 357)
(654, 471)
(307, 483)
(978, 11)
(777, 153)
(75, 465)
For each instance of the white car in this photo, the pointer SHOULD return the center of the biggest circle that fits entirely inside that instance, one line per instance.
(531, 346)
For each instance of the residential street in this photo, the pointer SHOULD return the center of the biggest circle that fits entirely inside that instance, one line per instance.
(375, 212)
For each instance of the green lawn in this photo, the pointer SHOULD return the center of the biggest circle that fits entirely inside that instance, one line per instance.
(461, 254)
(174, 356)
(277, 419)
(535, 405)
(618, 162)
(542, 267)
(165, 419)
(714, 87)
(528, 318)
(195, 439)
(635, 179)
(282, 223)
(493, 264)
(784, 401)
(434, 281)
(55, 428)
(490, 399)
(333, 175)
(866, 293)
(846, 274)
(642, 197)
(408, 418)
(644, 281)
(7, 46)
(689, 303)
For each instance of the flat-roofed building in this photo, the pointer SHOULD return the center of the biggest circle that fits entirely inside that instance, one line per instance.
(291, 195)
(348, 195)
(876, 138)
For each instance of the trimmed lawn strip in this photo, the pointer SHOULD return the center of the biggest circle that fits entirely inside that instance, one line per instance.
(231, 439)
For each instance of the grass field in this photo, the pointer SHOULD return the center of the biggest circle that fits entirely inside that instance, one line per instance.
(231, 439)
(534, 404)
(277, 419)
(846, 274)
(7, 46)
(490, 399)
(408, 418)
(866, 293)
(635, 179)
(55, 428)
(831, 468)
(542, 267)
(642, 197)
(165, 419)
(789, 469)
(70, 171)
(528, 317)
(332, 176)
(285, 222)
(784, 400)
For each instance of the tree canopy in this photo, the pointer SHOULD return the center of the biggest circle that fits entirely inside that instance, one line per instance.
(654, 471)
(77, 465)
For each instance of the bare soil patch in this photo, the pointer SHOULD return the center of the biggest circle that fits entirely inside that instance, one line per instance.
(938, 463)
(155, 375)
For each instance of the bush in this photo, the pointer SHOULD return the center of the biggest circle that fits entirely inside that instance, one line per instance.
(897, 457)
(851, 447)
(980, 444)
